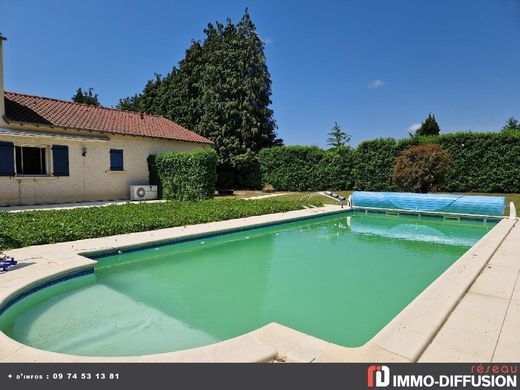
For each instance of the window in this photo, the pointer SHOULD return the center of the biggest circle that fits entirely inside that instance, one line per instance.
(6, 159)
(30, 160)
(60, 160)
(116, 160)
(33, 160)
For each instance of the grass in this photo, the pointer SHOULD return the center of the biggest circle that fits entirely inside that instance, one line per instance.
(240, 194)
(50, 226)
(320, 198)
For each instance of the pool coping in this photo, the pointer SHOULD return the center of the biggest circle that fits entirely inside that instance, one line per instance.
(403, 339)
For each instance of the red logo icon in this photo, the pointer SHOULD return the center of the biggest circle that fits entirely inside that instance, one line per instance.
(378, 376)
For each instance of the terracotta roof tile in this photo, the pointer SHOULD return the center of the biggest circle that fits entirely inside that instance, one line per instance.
(60, 113)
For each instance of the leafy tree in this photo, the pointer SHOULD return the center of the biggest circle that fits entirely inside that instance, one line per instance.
(338, 137)
(421, 168)
(86, 97)
(130, 103)
(511, 124)
(221, 90)
(429, 126)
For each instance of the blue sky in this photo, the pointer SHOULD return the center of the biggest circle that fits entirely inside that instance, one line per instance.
(376, 67)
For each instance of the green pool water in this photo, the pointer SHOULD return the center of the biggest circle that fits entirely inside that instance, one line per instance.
(341, 278)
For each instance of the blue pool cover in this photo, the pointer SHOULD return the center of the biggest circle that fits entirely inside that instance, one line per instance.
(442, 203)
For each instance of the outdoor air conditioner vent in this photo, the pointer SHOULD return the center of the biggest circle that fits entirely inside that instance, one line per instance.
(143, 192)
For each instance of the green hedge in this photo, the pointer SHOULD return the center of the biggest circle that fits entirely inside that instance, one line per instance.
(184, 175)
(482, 162)
(50, 226)
(244, 173)
(374, 163)
(306, 168)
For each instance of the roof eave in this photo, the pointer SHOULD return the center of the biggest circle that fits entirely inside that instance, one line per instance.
(52, 126)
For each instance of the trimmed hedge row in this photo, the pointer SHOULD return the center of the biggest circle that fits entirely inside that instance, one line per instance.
(51, 226)
(482, 162)
(186, 175)
(374, 163)
(306, 168)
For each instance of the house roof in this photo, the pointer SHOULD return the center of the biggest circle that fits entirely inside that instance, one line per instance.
(60, 113)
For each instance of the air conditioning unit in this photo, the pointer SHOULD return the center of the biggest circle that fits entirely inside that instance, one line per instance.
(143, 192)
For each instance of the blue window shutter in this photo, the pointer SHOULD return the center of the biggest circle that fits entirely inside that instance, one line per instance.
(116, 160)
(60, 160)
(6, 159)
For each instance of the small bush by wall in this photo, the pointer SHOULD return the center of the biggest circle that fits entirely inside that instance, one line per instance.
(306, 168)
(186, 175)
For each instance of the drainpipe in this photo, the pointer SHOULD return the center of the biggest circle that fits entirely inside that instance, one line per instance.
(2, 103)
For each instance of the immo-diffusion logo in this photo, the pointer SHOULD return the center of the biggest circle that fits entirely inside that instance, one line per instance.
(485, 376)
(378, 376)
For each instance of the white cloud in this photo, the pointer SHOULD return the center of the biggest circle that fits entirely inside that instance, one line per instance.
(376, 84)
(414, 127)
(266, 40)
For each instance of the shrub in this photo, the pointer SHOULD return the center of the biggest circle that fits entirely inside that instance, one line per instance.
(421, 168)
(268, 188)
(51, 226)
(373, 164)
(186, 175)
(306, 168)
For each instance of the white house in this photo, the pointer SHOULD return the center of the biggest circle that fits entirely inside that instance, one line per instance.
(57, 151)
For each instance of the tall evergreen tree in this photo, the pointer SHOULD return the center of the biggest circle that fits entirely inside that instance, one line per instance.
(181, 90)
(222, 90)
(429, 126)
(86, 97)
(511, 124)
(337, 137)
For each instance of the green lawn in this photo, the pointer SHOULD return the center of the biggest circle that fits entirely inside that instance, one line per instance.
(50, 226)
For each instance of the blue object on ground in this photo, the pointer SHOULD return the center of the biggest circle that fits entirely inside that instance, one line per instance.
(442, 203)
(7, 262)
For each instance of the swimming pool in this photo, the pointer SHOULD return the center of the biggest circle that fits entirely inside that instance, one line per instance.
(341, 278)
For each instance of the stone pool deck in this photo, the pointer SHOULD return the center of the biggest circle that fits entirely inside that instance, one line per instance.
(470, 313)
(485, 325)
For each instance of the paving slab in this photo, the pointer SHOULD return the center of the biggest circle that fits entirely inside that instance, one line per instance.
(307, 350)
(279, 337)
(508, 346)
(367, 353)
(485, 325)
(496, 280)
(471, 332)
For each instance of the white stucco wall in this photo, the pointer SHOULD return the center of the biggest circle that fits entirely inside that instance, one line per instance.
(90, 176)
